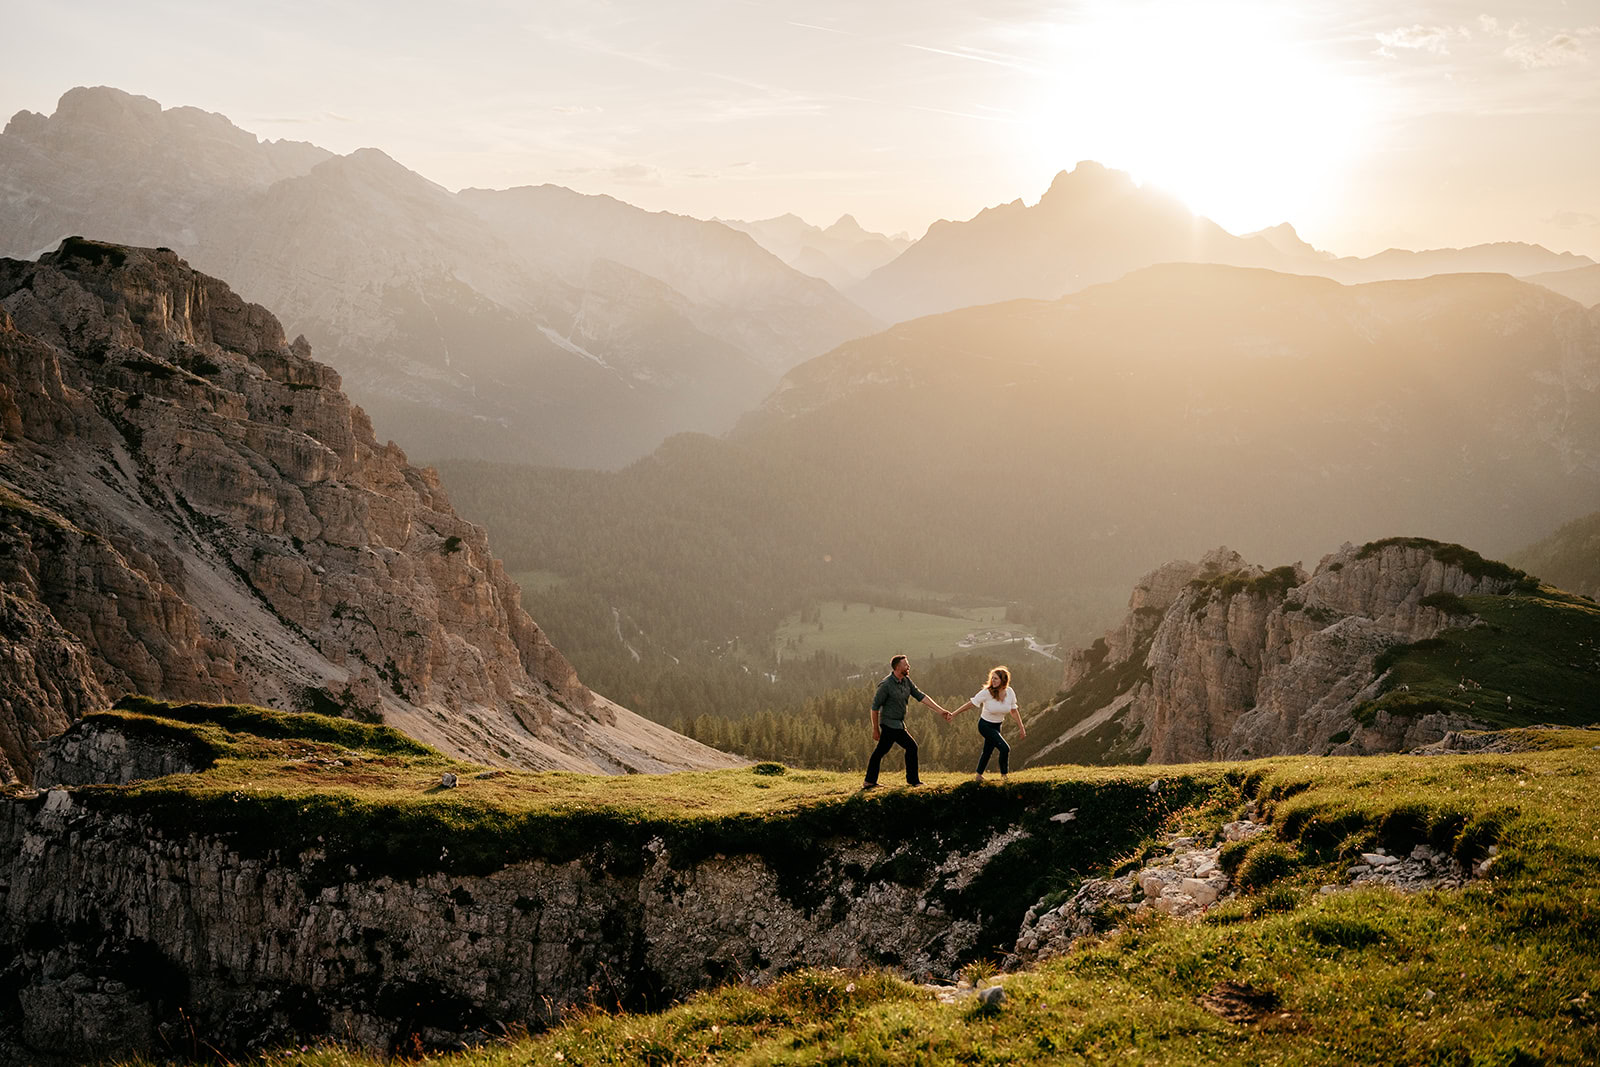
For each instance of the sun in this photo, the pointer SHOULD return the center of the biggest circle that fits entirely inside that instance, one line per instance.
(1228, 106)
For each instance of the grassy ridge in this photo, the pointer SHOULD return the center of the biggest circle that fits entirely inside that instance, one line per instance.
(369, 801)
(1528, 656)
(1503, 972)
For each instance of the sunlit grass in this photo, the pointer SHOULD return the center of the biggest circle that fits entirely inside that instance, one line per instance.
(1501, 972)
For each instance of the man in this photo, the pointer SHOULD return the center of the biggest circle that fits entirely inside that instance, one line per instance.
(889, 720)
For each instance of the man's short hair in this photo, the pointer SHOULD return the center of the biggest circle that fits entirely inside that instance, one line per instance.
(895, 662)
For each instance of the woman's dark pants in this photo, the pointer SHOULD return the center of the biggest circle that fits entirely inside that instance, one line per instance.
(991, 741)
(887, 737)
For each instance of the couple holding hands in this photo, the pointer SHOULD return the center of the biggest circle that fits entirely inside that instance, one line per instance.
(993, 701)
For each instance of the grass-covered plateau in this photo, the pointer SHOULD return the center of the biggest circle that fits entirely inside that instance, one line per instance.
(1503, 971)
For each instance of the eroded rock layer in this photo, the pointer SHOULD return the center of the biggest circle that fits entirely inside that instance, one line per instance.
(190, 508)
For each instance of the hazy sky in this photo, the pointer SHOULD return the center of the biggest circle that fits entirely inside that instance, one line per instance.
(1366, 123)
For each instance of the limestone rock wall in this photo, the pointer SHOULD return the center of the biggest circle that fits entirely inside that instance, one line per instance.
(1239, 661)
(190, 508)
(120, 937)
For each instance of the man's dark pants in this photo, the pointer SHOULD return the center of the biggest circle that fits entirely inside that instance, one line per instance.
(889, 736)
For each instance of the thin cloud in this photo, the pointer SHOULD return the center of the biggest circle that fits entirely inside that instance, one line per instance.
(1419, 38)
(976, 55)
(1572, 220)
(1559, 51)
(301, 120)
(627, 173)
(824, 29)
(962, 114)
(577, 109)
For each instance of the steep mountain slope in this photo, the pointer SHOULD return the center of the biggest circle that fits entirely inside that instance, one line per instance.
(1205, 404)
(1383, 648)
(738, 294)
(531, 324)
(1569, 558)
(1094, 225)
(192, 509)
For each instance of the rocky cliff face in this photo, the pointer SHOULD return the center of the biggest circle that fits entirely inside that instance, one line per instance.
(150, 929)
(1223, 659)
(191, 508)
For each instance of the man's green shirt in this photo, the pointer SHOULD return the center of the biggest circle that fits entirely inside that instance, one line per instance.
(890, 701)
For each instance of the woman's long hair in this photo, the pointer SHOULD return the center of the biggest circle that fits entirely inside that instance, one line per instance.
(999, 678)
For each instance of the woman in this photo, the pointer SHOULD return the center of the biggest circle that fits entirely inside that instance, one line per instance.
(992, 702)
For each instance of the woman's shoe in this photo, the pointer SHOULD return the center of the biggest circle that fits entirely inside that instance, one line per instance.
(978, 778)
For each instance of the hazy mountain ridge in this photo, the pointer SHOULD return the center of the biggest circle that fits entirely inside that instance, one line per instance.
(1095, 224)
(1222, 659)
(1205, 393)
(194, 510)
(1570, 557)
(461, 339)
(1578, 283)
(842, 254)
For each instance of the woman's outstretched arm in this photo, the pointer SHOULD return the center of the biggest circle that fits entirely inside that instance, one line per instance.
(952, 714)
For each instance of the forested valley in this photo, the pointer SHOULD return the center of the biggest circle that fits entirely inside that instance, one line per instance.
(666, 583)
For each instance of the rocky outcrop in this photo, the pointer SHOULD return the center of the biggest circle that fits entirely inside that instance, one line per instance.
(128, 938)
(1224, 659)
(1183, 883)
(190, 508)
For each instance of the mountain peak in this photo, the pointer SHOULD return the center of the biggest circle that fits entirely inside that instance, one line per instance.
(104, 105)
(1088, 178)
(847, 226)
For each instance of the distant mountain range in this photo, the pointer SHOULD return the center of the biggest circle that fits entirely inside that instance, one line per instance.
(1095, 224)
(841, 255)
(530, 324)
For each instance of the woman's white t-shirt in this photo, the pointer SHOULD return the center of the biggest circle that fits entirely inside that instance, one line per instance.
(992, 709)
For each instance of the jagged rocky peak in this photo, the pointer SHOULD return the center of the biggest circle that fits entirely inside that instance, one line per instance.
(191, 509)
(1226, 659)
(1088, 181)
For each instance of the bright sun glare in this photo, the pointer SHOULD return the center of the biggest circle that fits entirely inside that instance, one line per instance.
(1221, 105)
